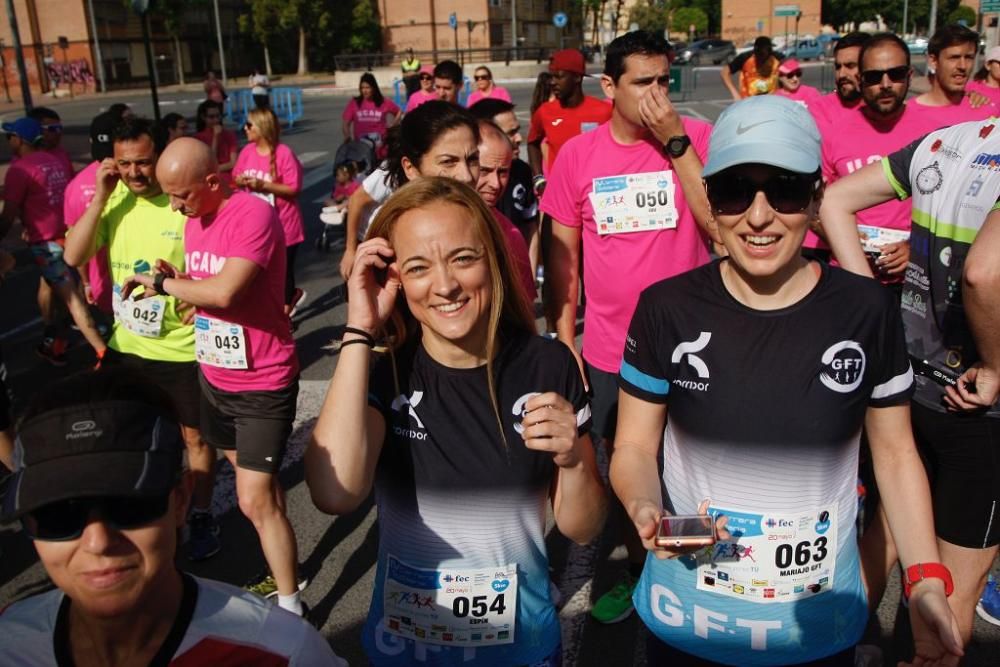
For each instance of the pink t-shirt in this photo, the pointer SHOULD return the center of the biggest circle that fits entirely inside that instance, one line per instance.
(289, 170)
(807, 95)
(519, 253)
(953, 114)
(79, 194)
(418, 98)
(829, 108)
(617, 267)
(368, 118)
(247, 228)
(983, 89)
(63, 156)
(344, 190)
(859, 141)
(497, 93)
(36, 183)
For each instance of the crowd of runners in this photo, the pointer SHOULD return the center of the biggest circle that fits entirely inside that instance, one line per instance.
(739, 364)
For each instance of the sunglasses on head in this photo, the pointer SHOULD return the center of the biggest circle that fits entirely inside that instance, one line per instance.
(873, 77)
(65, 520)
(787, 192)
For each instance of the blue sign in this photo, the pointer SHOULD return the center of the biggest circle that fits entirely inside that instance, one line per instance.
(559, 19)
(453, 20)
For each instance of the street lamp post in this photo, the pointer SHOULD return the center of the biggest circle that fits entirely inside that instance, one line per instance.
(141, 7)
(218, 34)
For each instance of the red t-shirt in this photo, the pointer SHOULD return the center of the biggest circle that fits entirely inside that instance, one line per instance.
(36, 184)
(558, 124)
(228, 143)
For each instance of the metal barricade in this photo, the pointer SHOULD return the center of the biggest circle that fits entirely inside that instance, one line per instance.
(286, 103)
(399, 92)
(681, 83)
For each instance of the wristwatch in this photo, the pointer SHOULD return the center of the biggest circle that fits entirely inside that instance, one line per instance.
(677, 146)
(158, 282)
(917, 573)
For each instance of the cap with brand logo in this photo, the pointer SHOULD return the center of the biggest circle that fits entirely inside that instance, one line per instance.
(766, 129)
(28, 129)
(112, 448)
(568, 60)
(102, 130)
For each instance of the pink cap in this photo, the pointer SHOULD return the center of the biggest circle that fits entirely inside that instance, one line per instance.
(427, 69)
(993, 54)
(788, 66)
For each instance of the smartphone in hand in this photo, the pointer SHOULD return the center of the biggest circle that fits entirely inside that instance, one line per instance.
(679, 532)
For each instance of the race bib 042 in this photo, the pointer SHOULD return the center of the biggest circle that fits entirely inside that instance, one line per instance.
(143, 317)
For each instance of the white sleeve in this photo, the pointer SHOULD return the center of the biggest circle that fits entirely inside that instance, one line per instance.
(314, 651)
(376, 187)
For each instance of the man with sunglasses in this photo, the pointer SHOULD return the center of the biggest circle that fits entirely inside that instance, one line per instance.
(629, 197)
(99, 487)
(52, 134)
(884, 123)
(951, 62)
(130, 217)
(950, 301)
(763, 367)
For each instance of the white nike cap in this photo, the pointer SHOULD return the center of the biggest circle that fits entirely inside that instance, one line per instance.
(765, 129)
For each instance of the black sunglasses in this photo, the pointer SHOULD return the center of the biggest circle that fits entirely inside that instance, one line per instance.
(797, 73)
(787, 192)
(482, 77)
(425, 77)
(873, 77)
(55, 127)
(65, 520)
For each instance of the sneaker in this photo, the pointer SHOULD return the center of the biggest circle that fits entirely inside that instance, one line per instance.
(49, 350)
(203, 536)
(298, 297)
(616, 604)
(988, 608)
(268, 587)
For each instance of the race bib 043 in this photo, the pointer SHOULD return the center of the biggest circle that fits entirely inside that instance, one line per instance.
(220, 344)
(450, 607)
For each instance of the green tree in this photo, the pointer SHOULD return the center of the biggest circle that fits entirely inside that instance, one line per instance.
(685, 17)
(366, 33)
(963, 13)
(649, 16)
(264, 23)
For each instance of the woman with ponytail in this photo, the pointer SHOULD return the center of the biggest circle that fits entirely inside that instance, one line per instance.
(269, 169)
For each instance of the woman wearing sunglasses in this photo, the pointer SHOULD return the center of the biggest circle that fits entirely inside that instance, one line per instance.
(467, 429)
(485, 88)
(426, 93)
(770, 364)
(270, 169)
(99, 487)
(790, 84)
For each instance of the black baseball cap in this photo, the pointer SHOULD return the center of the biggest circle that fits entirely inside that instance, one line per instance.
(102, 131)
(114, 448)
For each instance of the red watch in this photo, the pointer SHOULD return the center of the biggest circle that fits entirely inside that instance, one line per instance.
(921, 571)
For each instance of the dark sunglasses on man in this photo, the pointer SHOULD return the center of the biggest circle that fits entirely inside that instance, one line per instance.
(873, 77)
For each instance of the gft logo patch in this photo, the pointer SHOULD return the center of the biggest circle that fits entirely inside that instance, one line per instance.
(843, 366)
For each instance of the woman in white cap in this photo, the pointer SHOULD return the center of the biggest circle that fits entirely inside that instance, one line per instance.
(770, 364)
(987, 79)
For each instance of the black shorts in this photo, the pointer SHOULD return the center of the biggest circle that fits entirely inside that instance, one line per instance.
(177, 378)
(254, 423)
(962, 455)
(603, 401)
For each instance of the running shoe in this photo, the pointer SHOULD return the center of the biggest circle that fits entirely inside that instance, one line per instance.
(51, 351)
(268, 587)
(298, 297)
(989, 604)
(616, 605)
(203, 536)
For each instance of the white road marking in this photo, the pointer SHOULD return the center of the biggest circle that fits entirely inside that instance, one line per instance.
(19, 328)
(312, 156)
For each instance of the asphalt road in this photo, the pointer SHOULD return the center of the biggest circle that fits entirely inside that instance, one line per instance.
(339, 553)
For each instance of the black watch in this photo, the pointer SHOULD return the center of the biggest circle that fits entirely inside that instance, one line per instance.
(677, 146)
(158, 282)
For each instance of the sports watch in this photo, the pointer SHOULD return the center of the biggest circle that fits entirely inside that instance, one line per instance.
(917, 573)
(677, 146)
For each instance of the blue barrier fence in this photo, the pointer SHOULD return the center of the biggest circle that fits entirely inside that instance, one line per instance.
(285, 102)
(399, 92)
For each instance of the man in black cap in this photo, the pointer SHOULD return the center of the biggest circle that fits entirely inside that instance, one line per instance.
(757, 69)
(99, 487)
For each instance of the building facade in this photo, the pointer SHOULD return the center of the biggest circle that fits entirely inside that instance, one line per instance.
(744, 20)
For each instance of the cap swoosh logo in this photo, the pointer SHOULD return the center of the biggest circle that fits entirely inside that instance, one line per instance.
(743, 129)
(556, 121)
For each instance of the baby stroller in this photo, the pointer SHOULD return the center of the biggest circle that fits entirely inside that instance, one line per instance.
(361, 153)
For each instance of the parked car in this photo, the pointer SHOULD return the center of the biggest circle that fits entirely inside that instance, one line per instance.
(917, 46)
(804, 49)
(747, 46)
(705, 51)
